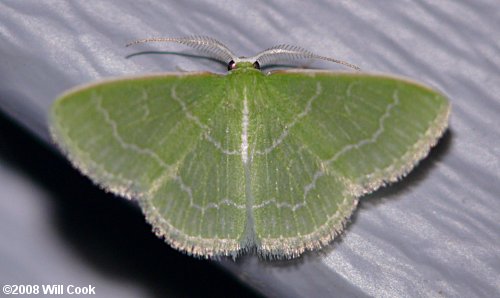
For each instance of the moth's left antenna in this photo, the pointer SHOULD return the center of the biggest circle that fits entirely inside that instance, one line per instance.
(208, 45)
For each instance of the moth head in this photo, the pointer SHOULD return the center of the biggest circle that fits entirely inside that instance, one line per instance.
(242, 62)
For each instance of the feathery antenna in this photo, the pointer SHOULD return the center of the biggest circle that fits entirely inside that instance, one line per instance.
(208, 45)
(288, 52)
(217, 50)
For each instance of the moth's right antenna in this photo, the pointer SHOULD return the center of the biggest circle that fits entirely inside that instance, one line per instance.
(288, 52)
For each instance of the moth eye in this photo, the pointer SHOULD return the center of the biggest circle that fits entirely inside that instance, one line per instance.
(256, 65)
(231, 65)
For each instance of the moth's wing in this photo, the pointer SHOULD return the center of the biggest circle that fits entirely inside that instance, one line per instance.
(162, 140)
(323, 139)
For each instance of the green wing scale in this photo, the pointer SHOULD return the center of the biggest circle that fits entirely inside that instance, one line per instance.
(222, 164)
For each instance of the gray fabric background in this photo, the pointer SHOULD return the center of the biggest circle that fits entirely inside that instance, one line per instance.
(436, 233)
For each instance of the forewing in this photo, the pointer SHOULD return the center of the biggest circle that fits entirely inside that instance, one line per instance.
(163, 140)
(348, 135)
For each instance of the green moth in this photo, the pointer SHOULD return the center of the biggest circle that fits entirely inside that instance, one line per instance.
(271, 162)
